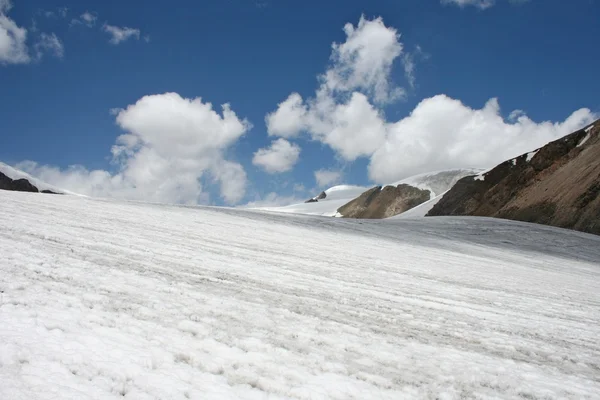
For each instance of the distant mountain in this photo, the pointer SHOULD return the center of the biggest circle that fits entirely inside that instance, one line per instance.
(15, 180)
(397, 198)
(558, 185)
(380, 201)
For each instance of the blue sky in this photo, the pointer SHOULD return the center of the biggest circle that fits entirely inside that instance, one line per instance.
(78, 62)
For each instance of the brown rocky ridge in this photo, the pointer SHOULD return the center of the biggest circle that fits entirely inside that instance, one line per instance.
(558, 185)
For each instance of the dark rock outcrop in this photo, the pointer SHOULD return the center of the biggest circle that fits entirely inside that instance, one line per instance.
(19, 185)
(321, 196)
(557, 185)
(384, 202)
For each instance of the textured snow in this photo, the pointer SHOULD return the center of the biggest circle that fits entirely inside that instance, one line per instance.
(104, 300)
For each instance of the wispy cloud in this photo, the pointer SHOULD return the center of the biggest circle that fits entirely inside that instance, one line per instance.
(120, 34)
(480, 4)
(87, 19)
(49, 43)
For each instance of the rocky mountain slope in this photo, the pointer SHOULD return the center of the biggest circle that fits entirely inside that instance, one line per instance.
(385, 202)
(397, 198)
(558, 185)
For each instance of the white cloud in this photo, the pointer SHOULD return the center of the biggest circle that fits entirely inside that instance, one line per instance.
(364, 61)
(341, 115)
(289, 119)
(170, 145)
(325, 177)
(13, 47)
(481, 4)
(49, 43)
(88, 19)
(442, 133)
(281, 156)
(120, 34)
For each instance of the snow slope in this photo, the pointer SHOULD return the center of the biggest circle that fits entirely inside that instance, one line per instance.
(437, 182)
(337, 196)
(104, 300)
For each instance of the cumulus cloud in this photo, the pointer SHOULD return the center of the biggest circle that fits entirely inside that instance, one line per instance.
(364, 61)
(13, 46)
(289, 119)
(281, 156)
(49, 43)
(170, 144)
(341, 114)
(346, 114)
(325, 177)
(443, 133)
(120, 34)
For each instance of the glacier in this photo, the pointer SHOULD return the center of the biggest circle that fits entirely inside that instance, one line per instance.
(105, 299)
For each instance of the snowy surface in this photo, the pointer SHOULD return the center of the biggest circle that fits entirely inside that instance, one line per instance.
(105, 300)
(421, 210)
(585, 139)
(15, 174)
(532, 154)
(437, 182)
(337, 197)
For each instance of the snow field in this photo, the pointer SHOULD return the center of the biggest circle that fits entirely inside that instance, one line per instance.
(104, 300)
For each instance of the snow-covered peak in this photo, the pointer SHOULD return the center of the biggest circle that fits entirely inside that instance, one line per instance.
(16, 174)
(437, 182)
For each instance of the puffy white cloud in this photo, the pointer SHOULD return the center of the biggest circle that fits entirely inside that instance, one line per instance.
(340, 114)
(13, 46)
(364, 61)
(325, 177)
(49, 43)
(170, 145)
(281, 156)
(442, 133)
(289, 119)
(120, 34)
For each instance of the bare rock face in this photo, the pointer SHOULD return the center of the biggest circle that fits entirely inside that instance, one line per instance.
(384, 202)
(19, 185)
(557, 185)
(321, 196)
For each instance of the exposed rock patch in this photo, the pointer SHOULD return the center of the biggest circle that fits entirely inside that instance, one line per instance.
(384, 202)
(19, 185)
